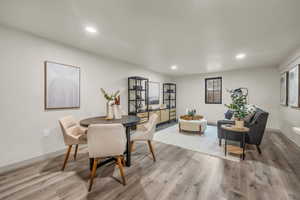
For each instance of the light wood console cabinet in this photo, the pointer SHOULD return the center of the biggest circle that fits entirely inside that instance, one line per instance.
(173, 114)
(143, 116)
(155, 112)
(164, 115)
(138, 89)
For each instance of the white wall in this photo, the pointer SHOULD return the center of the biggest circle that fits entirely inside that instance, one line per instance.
(22, 115)
(290, 117)
(263, 85)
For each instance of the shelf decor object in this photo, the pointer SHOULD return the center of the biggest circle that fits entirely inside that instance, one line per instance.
(138, 92)
(169, 99)
(294, 86)
(62, 86)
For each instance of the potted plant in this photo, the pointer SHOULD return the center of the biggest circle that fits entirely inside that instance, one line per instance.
(238, 106)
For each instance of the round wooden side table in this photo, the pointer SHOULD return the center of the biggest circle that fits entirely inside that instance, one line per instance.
(234, 149)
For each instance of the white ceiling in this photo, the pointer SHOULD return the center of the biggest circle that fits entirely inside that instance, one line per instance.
(198, 36)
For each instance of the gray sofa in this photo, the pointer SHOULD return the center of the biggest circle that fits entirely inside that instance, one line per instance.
(257, 126)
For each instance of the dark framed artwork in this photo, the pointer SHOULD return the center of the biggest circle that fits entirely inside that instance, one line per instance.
(154, 93)
(294, 86)
(62, 86)
(284, 78)
(213, 90)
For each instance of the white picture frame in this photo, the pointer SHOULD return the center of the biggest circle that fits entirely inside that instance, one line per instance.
(294, 85)
(154, 93)
(62, 86)
(284, 89)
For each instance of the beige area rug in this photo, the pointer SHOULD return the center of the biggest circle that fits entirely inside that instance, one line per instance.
(207, 143)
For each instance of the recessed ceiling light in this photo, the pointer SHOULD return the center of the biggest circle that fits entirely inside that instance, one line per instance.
(240, 56)
(91, 29)
(174, 67)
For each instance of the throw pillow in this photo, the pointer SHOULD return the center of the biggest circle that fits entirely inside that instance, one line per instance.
(229, 114)
(251, 112)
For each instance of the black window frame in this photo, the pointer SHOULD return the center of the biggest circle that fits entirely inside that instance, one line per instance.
(221, 95)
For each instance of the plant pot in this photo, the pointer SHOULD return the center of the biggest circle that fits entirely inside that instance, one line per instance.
(239, 123)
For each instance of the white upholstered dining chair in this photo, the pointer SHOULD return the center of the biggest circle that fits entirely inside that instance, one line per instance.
(73, 134)
(106, 140)
(146, 133)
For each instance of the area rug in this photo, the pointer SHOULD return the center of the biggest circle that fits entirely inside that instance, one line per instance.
(207, 143)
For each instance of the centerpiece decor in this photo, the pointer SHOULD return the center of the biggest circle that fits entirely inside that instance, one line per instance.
(191, 112)
(191, 115)
(238, 106)
(113, 110)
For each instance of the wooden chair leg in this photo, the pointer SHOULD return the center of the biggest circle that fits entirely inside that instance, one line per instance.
(76, 149)
(151, 149)
(67, 157)
(132, 146)
(93, 173)
(119, 163)
(123, 161)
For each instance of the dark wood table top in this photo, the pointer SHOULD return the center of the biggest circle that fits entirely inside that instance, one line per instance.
(127, 120)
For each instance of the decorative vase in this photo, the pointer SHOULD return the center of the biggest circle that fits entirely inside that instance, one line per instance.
(239, 123)
(117, 112)
(109, 110)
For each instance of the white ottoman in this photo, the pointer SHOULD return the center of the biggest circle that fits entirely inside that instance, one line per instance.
(193, 125)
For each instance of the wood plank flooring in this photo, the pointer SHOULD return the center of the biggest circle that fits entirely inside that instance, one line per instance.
(177, 174)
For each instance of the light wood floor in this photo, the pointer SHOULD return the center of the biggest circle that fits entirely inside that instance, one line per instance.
(178, 174)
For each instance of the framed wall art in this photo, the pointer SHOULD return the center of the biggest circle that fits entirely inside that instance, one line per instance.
(284, 88)
(154, 92)
(62, 86)
(293, 92)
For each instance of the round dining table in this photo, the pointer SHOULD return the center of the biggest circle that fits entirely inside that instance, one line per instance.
(128, 122)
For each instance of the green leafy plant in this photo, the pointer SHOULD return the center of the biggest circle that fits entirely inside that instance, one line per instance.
(111, 97)
(238, 105)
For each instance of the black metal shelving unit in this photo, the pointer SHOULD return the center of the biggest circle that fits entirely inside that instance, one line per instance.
(138, 97)
(169, 98)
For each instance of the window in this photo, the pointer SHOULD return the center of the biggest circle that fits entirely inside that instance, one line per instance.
(213, 90)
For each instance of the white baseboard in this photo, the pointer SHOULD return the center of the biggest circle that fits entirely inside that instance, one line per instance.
(275, 130)
(24, 163)
(212, 123)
